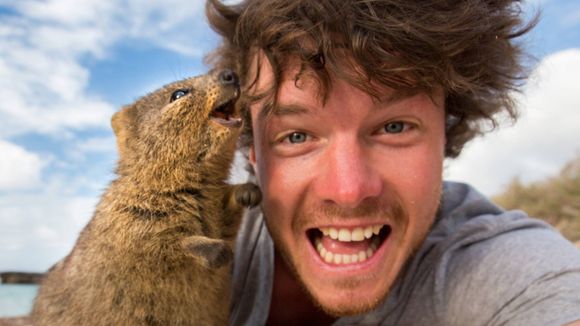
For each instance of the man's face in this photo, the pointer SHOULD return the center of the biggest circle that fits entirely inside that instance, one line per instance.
(351, 187)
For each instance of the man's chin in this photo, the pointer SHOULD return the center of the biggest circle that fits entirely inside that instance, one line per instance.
(342, 308)
(342, 298)
(347, 297)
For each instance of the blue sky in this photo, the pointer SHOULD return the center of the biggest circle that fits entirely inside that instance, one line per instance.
(66, 66)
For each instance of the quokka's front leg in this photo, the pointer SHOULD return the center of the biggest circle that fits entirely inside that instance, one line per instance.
(238, 197)
(211, 253)
(214, 253)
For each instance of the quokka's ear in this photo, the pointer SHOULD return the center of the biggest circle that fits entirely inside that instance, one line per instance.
(121, 122)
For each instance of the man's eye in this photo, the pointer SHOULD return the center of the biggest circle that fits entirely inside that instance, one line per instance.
(297, 137)
(394, 127)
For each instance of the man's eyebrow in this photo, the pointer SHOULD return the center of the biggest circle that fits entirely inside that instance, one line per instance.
(289, 109)
(269, 109)
(396, 96)
(281, 110)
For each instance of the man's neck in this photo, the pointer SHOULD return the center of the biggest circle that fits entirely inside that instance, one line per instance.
(290, 305)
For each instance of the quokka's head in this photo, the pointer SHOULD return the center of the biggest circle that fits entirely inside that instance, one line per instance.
(193, 120)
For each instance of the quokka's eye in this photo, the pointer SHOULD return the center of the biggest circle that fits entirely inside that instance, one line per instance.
(178, 94)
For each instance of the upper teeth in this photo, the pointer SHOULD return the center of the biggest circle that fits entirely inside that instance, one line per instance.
(357, 234)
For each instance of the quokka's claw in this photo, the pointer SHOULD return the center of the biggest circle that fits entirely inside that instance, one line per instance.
(248, 195)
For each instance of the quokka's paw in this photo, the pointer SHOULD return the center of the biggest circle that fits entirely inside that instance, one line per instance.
(211, 253)
(248, 194)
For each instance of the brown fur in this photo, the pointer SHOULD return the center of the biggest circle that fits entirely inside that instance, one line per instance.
(158, 247)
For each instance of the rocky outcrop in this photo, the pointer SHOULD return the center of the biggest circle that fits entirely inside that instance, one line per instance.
(20, 278)
(16, 321)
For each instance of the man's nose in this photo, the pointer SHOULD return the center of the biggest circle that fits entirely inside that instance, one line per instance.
(346, 176)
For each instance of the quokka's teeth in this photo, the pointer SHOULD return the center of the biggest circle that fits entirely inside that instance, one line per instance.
(356, 234)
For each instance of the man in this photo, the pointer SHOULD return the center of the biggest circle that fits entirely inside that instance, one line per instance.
(351, 107)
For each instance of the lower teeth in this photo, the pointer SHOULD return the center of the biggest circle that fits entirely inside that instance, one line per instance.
(343, 259)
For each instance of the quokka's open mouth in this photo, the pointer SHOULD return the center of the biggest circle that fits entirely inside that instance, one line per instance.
(225, 113)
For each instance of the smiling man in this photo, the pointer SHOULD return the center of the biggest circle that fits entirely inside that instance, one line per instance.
(341, 185)
(351, 107)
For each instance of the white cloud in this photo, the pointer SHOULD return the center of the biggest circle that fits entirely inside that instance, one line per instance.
(19, 168)
(44, 83)
(168, 24)
(82, 150)
(97, 145)
(67, 12)
(39, 229)
(40, 226)
(544, 139)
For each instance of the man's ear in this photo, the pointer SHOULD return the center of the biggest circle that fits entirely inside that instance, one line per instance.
(121, 122)
(252, 157)
(252, 166)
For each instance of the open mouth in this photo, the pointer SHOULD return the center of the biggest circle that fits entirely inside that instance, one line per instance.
(345, 246)
(225, 114)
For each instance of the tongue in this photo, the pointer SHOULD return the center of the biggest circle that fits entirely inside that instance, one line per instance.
(345, 248)
(229, 122)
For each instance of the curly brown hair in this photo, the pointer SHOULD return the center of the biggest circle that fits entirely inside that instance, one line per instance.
(466, 47)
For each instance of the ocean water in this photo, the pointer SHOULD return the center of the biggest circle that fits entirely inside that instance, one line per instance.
(16, 299)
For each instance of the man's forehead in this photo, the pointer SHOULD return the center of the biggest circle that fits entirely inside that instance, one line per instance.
(261, 76)
(306, 80)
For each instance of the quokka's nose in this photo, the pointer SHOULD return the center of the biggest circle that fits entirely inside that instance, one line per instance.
(228, 77)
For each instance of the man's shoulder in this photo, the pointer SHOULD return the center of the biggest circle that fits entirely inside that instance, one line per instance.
(475, 229)
(503, 265)
(467, 217)
(527, 273)
(508, 248)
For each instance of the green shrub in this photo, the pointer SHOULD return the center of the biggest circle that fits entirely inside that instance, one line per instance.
(556, 199)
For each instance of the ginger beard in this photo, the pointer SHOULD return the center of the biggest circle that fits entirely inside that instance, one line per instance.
(396, 235)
